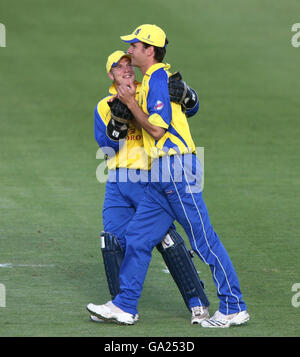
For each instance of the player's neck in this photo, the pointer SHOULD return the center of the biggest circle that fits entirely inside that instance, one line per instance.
(147, 65)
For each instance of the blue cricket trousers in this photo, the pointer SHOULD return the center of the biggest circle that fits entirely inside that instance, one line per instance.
(122, 197)
(121, 200)
(174, 194)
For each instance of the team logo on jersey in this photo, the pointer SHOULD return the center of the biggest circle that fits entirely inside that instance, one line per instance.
(159, 105)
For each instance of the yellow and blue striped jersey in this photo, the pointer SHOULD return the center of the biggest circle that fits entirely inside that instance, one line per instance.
(154, 99)
(127, 153)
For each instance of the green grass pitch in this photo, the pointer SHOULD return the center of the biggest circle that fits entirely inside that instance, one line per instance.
(239, 56)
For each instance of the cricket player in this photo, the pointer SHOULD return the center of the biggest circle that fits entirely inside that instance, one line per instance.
(121, 140)
(167, 139)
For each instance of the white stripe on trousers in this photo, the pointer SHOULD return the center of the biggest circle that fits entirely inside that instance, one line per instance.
(203, 228)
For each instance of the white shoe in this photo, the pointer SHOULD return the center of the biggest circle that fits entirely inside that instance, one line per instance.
(220, 320)
(111, 312)
(199, 314)
(94, 318)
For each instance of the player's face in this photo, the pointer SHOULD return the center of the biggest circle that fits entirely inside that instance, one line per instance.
(138, 54)
(123, 72)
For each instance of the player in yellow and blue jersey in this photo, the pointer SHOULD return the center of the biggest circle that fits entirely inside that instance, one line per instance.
(128, 176)
(172, 194)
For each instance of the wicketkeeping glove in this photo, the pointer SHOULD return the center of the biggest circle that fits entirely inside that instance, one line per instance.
(181, 93)
(118, 125)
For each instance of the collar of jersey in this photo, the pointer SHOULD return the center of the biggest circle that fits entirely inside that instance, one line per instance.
(157, 66)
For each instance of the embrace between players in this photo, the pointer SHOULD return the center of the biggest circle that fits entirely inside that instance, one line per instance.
(138, 215)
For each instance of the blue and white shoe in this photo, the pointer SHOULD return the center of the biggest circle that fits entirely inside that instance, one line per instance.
(97, 319)
(219, 320)
(199, 314)
(111, 312)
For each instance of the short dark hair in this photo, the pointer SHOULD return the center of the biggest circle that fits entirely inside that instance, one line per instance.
(159, 52)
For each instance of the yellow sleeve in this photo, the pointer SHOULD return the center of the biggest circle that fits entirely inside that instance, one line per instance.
(156, 119)
(103, 110)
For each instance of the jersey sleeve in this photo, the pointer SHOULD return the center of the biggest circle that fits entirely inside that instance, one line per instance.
(158, 100)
